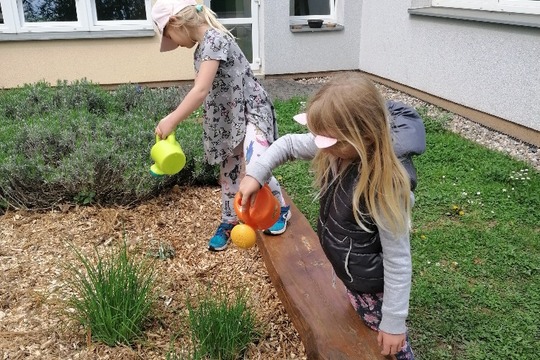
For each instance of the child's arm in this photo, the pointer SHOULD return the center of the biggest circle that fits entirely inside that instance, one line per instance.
(193, 99)
(287, 147)
(397, 287)
(397, 281)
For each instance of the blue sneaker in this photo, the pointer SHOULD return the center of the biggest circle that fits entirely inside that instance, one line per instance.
(281, 224)
(220, 239)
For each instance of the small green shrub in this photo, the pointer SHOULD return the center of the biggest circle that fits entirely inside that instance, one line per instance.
(222, 326)
(113, 296)
(59, 144)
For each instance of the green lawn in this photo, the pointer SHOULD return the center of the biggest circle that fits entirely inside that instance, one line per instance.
(475, 246)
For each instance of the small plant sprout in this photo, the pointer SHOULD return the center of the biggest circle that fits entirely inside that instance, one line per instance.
(85, 197)
(164, 251)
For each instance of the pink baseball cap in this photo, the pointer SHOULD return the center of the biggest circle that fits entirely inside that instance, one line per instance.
(162, 12)
(321, 142)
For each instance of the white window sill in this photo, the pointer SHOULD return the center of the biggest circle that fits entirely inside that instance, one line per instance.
(300, 28)
(496, 17)
(70, 35)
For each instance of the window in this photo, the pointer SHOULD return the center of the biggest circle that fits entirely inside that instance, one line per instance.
(305, 9)
(34, 16)
(228, 9)
(511, 6)
(240, 17)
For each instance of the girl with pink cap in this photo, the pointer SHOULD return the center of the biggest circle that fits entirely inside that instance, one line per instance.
(239, 119)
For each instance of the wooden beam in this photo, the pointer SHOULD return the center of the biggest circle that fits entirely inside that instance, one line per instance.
(328, 325)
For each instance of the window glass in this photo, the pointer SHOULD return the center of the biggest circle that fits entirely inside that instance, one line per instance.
(310, 7)
(1, 15)
(243, 34)
(232, 8)
(49, 10)
(120, 10)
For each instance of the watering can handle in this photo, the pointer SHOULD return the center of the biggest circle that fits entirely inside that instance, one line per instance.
(170, 138)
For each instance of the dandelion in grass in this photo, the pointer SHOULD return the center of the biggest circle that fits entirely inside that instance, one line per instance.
(456, 210)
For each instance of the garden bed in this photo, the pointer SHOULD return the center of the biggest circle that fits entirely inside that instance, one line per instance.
(34, 251)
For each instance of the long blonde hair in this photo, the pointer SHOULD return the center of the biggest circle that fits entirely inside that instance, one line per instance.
(191, 18)
(351, 109)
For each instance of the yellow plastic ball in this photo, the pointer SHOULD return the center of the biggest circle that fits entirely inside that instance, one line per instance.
(243, 236)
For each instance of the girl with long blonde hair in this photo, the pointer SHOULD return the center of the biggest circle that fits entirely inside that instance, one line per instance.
(360, 123)
(361, 150)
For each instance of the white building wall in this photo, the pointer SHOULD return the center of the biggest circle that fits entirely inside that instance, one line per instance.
(489, 67)
(285, 52)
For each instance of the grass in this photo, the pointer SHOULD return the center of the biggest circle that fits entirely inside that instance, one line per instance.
(475, 247)
(113, 296)
(476, 290)
(221, 326)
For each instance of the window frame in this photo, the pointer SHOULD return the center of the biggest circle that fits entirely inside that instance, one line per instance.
(14, 23)
(508, 6)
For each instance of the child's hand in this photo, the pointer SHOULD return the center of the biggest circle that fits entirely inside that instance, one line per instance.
(165, 127)
(390, 343)
(248, 187)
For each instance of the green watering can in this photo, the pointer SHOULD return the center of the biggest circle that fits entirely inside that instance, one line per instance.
(168, 156)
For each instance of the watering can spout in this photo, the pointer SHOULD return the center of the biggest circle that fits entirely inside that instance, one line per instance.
(168, 156)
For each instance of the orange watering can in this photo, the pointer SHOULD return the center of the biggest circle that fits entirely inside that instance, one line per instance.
(263, 213)
(168, 156)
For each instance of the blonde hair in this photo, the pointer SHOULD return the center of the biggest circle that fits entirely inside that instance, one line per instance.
(351, 109)
(191, 18)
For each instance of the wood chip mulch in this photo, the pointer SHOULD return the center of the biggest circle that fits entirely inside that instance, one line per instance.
(35, 249)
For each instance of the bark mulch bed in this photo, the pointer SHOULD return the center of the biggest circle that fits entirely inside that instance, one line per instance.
(34, 252)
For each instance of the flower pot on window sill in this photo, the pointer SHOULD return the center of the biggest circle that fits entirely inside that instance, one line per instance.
(315, 23)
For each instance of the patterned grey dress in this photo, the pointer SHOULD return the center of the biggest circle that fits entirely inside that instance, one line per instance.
(236, 98)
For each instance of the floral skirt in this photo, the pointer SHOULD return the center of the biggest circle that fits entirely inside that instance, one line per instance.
(369, 306)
